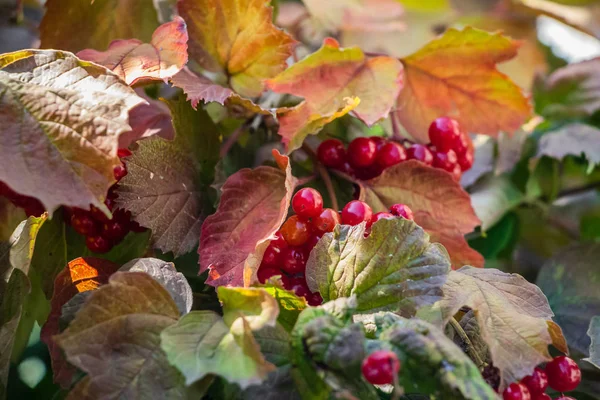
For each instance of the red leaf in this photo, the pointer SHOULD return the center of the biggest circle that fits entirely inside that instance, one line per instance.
(147, 120)
(80, 275)
(254, 204)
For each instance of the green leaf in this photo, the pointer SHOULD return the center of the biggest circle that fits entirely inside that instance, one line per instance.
(493, 198)
(575, 139)
(115, 339)
(164, 188)
(290, 305)
(594, 334)
(498, 240)
(394, 268)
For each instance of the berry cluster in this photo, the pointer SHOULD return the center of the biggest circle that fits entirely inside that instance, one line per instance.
(30, 205)
(367, 157)
(381, 367)
(561, 374)
(288, 253)
(102, 233)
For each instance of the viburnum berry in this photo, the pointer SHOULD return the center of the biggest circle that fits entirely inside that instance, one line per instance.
(465, 161)
(356, 212)
(378, 216)
(307, 203)
(272, 256)
(83, 223)
(543, 396)
(297, 285)
(390, 153)
(295, 231)
(381, 367)
(462, 144)
(312, 242)
(331, 153)
(370, 172)
(456, 173)
(402, 210)
(114, 230)
(443, 133)
(445, 160)
(123, 153)
(120, 171)
(293, 260)
(537, 382)
(326, 220)
(314, 299)
(361, 152)
(98, 244)
(264, 273)
(421, 153)
(516, 391)
(563, 374)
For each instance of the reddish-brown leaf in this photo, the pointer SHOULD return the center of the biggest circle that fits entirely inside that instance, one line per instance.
(439, 203)
(254, 204)
(80, 275)
(147, 120)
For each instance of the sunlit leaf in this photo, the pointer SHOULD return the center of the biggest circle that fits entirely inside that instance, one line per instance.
(150, 119)
(74, 112)
(290, 305)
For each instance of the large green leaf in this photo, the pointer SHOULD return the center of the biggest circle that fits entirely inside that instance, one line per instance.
(395, 267)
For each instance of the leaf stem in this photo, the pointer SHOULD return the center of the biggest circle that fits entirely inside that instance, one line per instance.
(324, 175)
(469, 348)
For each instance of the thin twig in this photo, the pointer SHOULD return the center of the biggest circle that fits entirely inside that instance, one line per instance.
(232, 139)
(470, 349)
(303, 181)
(578, 190)
(396, 135)
(324, 175)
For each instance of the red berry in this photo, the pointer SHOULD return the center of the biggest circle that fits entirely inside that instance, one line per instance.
(402, 210)
(380, 215)
(307, 203)
(279, 241)
(123, 153)
(370, 172)
(272, 257)
(326, 221)
(456, 173)
(312, 242)
(563, 373)
(83, 223)
(314, 299)
(361, 152)
(390, 154)
(120, 171)
(466, 161)
(379, 142)
(443, 133)
(516, 391)
(297, 285)
(295, 231)
(445, 160)
(293, 260)
(356, 212)
(264, 273)
(98, 215)
(462, 144)
(536, 382)
(331, 153)
(421, 153)
(381, 367)
(114, 230)
(98, 244)
(544, 396)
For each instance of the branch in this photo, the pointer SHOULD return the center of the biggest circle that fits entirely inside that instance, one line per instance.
(469, 348)
(324, 175)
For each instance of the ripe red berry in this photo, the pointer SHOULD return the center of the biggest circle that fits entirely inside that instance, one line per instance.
(120, 171)
(356, 212)
(312, 242)
(295, 231)
(279, 241)
(544, 396)
(83, 223)
(462, 144)
(391, 153)
(114, 230)
(380, 215)
(563, 373)
(465, 161)
(456, 173)
(402, 210)
(331, 153)
(536, 382)
(445, 160)
(443, 132)
(307, 203)
(98, 244)
(297, 285)
(314, 299)
(123, 153)
(346, 168)
(361, 152)
(272, 256)
(381, 367)
(370, 172)
(421, 153)
(293, 260)
(326, 221)
(516, 391)
(264, 273)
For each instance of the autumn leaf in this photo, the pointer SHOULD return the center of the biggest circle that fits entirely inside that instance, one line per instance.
(574, 139)
(115, 339)
(135, 61)
(394, 268)
(94, 24)
(147, 120)
(238, 39)
(333, 82)
(75, 112)
(456, 75)
(430, 193)
(164, 188)
(254, 203)
(79, 276)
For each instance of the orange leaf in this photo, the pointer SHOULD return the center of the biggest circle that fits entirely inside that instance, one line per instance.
(135, 61)
(440, 205)
(334, 81)
(80, 275)
(456, 75)
(238, 39)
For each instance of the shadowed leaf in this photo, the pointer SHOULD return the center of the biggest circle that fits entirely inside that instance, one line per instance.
(594, 334)
(575, 139)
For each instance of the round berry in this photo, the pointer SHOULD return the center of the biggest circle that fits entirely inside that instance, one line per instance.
(293, 260)
(445, 160)
(331, 153)
(542, 396)
(295, 231)
(297, 285)
(312, 242)
(465, 161)
(356, 212)
(98, 244)
(326, 221)
(381, 367)
(536, 382)
(307, 203)
(443, 132)
(98, 215)
(456, 173)
(380, 215)
(516, 391)
(314, 299)
(402, 210)
(379, 141)
(361, 152)
(123, 153)
(114, 230)
(421, 153)
(265, 273)
(83, 223)
(272, 256)
(120, 171)
(563, 373)
(390, 154)
(370, 172)
(462, 144)
(279, 241)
